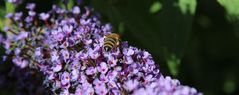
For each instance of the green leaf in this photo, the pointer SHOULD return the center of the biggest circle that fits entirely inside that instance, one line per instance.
(70, 4)
(229, 86)
(232, 9)
(173, 62)
(187, 6)
(121, 28)
(155, 7)
(1, 25)
(10, 7)
(231, 6)
(2, 15)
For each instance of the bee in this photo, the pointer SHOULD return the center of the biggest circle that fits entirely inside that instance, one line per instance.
(124, 92)
(91, 63)
(111, 41)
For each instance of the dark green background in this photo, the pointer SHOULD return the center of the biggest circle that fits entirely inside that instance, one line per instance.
(199, 48)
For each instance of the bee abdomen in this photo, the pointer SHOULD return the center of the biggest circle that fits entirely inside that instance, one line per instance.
(110, 41)
(108, 46)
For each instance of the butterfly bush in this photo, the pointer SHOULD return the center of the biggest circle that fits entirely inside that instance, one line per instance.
(67, 47)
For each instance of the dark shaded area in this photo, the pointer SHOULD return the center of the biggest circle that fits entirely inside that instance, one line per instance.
(16, 81)
(161, 34)
(212, 55)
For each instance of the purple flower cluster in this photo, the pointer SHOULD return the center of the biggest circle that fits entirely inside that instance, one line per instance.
(165, 86)
(66, 46)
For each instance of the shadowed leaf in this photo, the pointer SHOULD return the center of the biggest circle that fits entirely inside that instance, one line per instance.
(155, 7)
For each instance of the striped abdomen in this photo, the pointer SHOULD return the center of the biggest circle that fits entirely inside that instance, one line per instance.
(111, 41)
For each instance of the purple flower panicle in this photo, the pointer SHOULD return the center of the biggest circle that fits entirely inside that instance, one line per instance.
(67, 47)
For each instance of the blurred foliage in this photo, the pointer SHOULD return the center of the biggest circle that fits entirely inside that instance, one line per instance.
(155, 7)
(229, 86)
(173, 63)
(2, 13)
(68, 4)
(196, 41)
(232, 13)
(231, 7)
(187, 6)
(9, 7)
